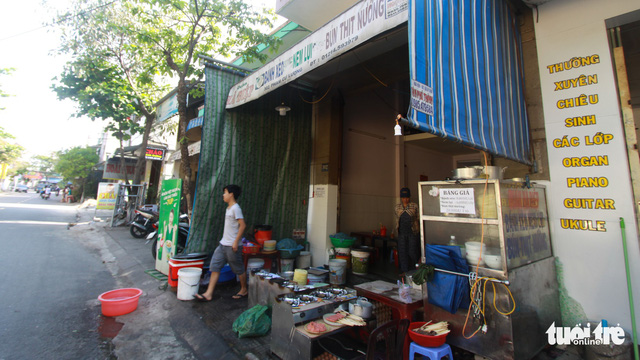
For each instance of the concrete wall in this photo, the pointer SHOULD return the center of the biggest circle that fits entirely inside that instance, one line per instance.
(592, 280)
(376, 164)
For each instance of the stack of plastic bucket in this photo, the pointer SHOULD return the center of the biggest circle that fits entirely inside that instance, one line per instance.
(344, 254)
(183, 261)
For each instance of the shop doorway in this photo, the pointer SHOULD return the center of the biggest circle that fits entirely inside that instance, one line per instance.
(624, 40)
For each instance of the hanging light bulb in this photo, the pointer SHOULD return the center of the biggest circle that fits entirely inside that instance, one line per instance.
(397, 129)
(282, 109)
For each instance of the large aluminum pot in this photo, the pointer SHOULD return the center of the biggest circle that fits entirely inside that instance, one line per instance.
(361, 307)
(492, 172)
(466, 173)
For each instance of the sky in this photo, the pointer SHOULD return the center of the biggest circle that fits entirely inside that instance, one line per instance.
(40, 122)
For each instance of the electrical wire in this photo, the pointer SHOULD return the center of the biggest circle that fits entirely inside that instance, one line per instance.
(474, 288)
(65, 18)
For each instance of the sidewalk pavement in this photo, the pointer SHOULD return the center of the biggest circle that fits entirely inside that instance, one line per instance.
(163, 327)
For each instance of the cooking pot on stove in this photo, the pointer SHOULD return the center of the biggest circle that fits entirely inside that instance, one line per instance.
(466, 173)
(492, 172)
(361, 307)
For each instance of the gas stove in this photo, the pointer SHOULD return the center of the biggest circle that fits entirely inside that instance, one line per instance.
(293, 309)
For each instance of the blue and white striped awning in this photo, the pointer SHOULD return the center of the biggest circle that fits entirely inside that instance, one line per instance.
(468, 53)
(195, 122)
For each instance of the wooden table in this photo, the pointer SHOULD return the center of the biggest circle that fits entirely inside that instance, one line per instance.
(270, 256)
(387, 293)
(368, 238)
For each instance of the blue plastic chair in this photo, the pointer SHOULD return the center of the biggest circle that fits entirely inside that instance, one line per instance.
(432, 353)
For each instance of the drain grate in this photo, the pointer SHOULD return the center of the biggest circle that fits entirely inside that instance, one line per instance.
(156, 274)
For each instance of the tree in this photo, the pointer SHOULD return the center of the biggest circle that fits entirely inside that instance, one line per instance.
(132, 42)
(9, 152)
(43, 164)
(6, 71)
(177, 31)
(110, 77)
(76, 164)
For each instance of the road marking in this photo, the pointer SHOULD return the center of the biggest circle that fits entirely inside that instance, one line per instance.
(38, 206)
(29, 222)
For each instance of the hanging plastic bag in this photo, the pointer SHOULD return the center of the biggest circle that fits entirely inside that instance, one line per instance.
(253, 322)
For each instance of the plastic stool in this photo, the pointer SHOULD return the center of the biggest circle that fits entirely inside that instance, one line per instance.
(432, 353)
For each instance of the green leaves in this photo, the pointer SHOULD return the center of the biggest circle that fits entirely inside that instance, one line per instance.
(9, 152)
(76, 162)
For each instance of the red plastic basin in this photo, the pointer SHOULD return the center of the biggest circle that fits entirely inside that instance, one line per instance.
(425, 340)
(119, 302)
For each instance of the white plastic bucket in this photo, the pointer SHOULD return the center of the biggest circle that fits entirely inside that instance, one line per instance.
(255, 264)
(343, 251)
(304, 260)
(337, 271)
(286, 264)
(360, 262)
(188, 282)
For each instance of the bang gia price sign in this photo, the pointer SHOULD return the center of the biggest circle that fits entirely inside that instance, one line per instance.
(457, 201)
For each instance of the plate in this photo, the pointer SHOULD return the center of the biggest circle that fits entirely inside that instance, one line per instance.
(325, 316)
(306, 328)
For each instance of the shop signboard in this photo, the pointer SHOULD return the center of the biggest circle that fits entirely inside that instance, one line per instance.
(590, 187)
(352, 28)
(113, 169)
(167, 108)
(154, 154)
(168, 223)
(107, 195)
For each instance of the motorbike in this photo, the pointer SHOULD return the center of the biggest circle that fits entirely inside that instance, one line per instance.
(44, 195)
(142, 223)
(183, 233)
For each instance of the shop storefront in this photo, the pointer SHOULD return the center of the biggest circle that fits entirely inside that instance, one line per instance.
(552, 109)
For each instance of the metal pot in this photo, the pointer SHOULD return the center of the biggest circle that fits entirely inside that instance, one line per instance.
(361, 307)
(466, 173)
(492, 172)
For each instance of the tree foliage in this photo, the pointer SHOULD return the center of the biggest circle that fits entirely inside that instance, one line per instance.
(6, 71)
(110, 77)
(9, 152)
(177, 31)
(122, 48)
(43, 164)
(76, 162)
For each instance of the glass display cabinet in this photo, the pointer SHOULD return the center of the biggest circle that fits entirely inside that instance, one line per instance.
(510, 220)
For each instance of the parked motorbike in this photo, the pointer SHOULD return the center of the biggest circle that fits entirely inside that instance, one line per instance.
(142, 223)
(183, 233)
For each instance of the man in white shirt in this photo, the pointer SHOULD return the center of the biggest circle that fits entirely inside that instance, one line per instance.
(230, 248)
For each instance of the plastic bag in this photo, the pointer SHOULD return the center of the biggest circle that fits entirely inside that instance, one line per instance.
(253, 322)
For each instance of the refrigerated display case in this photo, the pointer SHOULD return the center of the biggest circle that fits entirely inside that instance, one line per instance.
(510, 219)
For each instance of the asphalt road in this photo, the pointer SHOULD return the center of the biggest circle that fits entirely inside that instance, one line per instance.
(50, 283)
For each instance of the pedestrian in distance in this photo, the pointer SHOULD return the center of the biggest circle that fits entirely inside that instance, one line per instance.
(408, 229)
(230, 248)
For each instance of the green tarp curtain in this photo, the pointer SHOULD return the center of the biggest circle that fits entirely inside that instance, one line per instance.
(267, 155)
